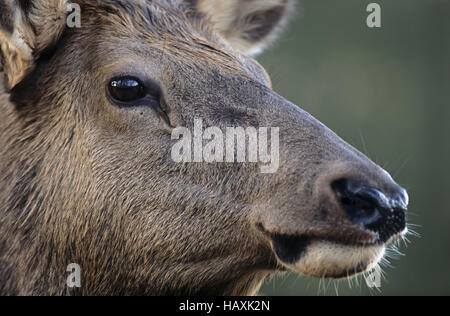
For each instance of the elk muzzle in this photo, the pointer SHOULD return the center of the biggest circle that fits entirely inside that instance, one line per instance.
(333, 211)
(327, 252)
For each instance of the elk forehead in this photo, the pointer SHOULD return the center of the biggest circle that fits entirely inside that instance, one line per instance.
(170, 30)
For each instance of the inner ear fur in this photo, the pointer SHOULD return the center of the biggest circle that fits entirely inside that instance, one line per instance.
(247, 25)
(27, 28)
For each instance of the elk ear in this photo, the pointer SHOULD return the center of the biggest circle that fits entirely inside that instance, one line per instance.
(27, 28)
(247, 25)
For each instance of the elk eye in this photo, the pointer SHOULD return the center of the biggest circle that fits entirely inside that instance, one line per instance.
(126, 89)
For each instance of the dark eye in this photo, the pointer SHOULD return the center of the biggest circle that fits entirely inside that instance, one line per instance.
(126, 89)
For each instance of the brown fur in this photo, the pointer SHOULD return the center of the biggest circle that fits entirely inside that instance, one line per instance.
(83, 181)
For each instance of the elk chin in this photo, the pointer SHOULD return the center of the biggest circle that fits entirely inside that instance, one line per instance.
(326, 259)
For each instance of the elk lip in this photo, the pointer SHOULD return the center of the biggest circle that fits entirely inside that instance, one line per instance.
(293, 252)
(326, 257)
(290, 249)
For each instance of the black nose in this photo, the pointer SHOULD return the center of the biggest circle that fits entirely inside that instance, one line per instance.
(371, 208)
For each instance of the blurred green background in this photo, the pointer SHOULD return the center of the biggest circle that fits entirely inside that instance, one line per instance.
(387, 92)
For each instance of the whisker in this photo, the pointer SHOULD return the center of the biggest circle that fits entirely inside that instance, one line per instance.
(396, 173)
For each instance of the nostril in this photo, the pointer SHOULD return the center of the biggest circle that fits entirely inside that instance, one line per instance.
(371, 208)
(364, 205)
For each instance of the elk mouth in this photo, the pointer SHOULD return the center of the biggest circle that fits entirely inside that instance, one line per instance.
(327, 258)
